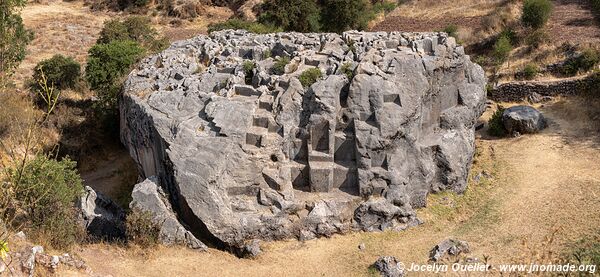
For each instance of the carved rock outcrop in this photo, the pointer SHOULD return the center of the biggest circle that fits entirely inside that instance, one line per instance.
(246, 154)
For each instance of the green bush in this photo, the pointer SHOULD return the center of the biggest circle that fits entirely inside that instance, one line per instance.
(140, 229)
(249, 71)
(107, 65)
(536, 13)
(279, 66)
(384, 6)
(341, 15)
(530, 71)
(347, 70)
(291, 15)
(451, 30)
(61, 72)
(235, 24)
(596, 6)
(495, 125)
(511, 35)
(47, 190)
(502, 49)
(135, 28)
(584, 62)
(310, 76)
(536, 38)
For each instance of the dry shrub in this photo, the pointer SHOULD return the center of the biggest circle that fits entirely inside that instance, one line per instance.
(140, 229)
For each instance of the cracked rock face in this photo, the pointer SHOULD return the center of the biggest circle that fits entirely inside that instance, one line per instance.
(246, 154)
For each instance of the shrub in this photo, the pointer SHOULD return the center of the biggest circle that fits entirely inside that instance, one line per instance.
(347, 70)
(502, 49)
(61, 72)
(536, 13)
(530, 71)
(124, 4)
(536, 38)
(14, 38)
(310, 76)
(140, 229)
(249, 71)
(584, 62)
(135, 28)
(291, 15)
(235, 24)
(47, 190)
(384, 6)
(341, 15)
(451, 30)
(495, 124)
(279, 66)
(107, 65)
(511, 35)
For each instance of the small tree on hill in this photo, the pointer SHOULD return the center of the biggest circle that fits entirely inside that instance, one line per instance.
(536, 13)
(342, 15)
(291, 15)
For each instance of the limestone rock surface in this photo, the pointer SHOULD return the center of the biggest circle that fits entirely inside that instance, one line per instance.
(246, 152)
(101, 216)
(148, 197)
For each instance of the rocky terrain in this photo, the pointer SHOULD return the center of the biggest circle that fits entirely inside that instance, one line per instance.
(246, 152)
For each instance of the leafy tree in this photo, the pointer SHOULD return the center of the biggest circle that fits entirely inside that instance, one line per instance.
(536, 13)
(14, 38)
(107, 65)
(60, 72)
(291, 15)
(341, 15)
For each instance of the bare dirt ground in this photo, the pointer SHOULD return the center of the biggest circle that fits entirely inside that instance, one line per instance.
(541, 184)
(572, 21)
(430, 15)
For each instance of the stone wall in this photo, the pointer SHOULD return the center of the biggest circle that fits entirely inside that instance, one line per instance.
(535, 91)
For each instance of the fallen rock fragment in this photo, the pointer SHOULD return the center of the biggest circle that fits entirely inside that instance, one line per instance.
(523, 120)
(446, 248)
(389, 266)
(147, 196)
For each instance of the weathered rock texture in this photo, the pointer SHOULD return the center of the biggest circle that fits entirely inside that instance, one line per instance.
(259, 156)
(148, 197)
(523, 120)
(101, 216)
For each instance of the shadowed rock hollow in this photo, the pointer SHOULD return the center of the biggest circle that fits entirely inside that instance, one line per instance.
(256, 155)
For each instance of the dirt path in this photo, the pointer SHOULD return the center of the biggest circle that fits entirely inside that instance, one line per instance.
(542, 184)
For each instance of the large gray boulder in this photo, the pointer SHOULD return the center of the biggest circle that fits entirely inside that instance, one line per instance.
(148, 197)
(272, 159)
(523, 120)
(101, 217)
